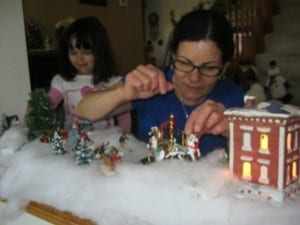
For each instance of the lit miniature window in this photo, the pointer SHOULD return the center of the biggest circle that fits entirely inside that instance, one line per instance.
(246, 142)
(264, 143)
(246, 174)
(289, 142)
(263, 178)
(288, 176)
(294, 171)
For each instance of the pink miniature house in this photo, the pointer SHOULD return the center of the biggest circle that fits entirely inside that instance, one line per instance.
(264, 150)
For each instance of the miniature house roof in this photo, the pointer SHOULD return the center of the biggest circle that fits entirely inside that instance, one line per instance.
(265, 109)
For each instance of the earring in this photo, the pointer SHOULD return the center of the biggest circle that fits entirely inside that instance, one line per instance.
(222, 77)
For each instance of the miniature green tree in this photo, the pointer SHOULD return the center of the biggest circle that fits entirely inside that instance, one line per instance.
(41, 120)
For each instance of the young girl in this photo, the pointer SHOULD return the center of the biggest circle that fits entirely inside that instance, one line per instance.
(86, 65)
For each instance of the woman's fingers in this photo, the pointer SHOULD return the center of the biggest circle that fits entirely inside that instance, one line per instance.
(207, 118)
(148, 80)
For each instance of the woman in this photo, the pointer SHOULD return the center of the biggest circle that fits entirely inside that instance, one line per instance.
(192, 88)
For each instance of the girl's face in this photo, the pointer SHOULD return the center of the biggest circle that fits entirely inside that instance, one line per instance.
(197, 66)
(82, 59)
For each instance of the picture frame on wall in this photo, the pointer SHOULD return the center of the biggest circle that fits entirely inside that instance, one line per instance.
(94, 2)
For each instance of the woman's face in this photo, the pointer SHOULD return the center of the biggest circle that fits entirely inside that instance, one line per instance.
(82, 59)
(192, 87)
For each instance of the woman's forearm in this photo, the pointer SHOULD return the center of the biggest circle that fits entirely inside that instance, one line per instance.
(101, 104)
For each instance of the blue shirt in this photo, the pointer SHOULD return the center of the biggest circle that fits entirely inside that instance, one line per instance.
(157, 110)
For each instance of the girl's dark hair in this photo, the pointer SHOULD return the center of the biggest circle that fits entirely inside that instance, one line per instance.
(90, 34)
(203, 25)
(272, 63)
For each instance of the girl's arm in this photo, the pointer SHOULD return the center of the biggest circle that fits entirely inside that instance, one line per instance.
(124, 121)
(55, 91)
(55, 96)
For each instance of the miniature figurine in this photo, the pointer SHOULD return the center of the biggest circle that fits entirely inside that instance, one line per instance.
(7, 121)
(73, 135)
(108, 165)
(100, 150)
(110, 158)
(122, 140)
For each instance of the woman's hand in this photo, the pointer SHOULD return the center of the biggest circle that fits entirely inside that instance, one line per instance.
(146, 81)
(208, 118)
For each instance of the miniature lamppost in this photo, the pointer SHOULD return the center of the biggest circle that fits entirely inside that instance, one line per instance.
(171, 128)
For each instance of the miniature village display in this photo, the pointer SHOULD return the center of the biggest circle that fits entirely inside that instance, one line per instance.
(265, 151)
(264, 155)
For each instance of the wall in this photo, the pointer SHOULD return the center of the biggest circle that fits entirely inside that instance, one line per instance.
(124, 24)
(14, 85)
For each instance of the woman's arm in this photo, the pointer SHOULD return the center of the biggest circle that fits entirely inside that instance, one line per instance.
(104, 103)
(143, 82)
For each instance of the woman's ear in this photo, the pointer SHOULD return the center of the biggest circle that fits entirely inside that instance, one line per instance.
(226, 67)
(173, 79)
(171, 61)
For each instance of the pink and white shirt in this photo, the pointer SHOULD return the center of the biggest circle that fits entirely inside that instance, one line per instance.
(71, 93)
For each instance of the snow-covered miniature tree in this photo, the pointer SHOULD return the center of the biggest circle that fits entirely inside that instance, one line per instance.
(84, 152)
(57, 144)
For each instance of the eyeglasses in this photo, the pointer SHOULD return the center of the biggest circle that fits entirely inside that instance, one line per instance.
(204, 69)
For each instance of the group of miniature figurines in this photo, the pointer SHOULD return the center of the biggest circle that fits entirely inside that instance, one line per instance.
(165, 142)
(168, 142)
(78, 142)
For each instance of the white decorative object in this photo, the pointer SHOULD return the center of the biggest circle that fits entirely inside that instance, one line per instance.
(13, 139)
(174, 192)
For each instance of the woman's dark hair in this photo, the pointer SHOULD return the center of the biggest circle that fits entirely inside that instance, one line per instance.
(204, 25)
(90, 34)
